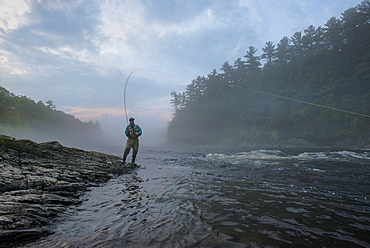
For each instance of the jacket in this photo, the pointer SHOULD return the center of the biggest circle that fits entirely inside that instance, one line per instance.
(131, 130)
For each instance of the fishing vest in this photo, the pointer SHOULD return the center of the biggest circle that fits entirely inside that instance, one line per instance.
(131, 130)
(135, 129)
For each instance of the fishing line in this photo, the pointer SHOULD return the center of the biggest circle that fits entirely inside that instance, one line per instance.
(129, 75)
(168, 73)
(300, 101)
(257, 91)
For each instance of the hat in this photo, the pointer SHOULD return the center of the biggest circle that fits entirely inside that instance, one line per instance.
(131, 119)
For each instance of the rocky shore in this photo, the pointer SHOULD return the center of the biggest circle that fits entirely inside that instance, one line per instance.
(39, 181)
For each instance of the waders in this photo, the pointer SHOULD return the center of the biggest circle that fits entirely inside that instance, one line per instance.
(134, 144)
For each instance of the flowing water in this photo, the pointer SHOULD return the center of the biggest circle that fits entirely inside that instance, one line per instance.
(260, 198)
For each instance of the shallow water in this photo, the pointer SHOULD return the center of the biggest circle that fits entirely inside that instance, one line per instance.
(261, 198)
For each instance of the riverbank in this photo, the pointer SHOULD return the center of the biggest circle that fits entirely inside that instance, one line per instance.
(39, 181)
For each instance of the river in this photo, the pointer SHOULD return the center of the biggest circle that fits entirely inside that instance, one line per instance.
(209, 198)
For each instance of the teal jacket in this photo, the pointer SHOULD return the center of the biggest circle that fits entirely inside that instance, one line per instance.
(131, 130)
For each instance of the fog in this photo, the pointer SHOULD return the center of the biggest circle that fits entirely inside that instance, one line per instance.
(79, 54)
(111, 135)
(154, 130)
(67, 137)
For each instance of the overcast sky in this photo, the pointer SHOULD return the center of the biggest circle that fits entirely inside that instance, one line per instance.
(79, 53)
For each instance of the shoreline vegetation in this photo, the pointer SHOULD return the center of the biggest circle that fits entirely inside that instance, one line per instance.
(22, 117)
(39, 181)
(312, 86)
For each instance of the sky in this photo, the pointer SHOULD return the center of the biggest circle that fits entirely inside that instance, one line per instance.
(80, 53)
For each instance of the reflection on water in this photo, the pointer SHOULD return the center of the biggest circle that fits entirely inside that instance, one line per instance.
(264, 198)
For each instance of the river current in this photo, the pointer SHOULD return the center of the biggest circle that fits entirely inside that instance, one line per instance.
(252, 198)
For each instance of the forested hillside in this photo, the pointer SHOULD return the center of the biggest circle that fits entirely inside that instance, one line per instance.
(22, 117)
(313, 86)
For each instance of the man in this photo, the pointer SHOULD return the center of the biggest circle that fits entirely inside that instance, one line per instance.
(133, 132)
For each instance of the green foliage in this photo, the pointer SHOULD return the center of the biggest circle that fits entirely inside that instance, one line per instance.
(20, 114)
(244, 104)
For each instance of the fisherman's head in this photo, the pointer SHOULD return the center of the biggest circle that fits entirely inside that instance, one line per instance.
(131, 119)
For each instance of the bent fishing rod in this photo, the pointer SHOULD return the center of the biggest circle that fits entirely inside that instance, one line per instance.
(124, 92)
(128, 77)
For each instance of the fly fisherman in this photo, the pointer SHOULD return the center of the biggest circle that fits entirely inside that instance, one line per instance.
(133, 132)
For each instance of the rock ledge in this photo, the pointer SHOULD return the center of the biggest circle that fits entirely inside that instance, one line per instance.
(38, 181)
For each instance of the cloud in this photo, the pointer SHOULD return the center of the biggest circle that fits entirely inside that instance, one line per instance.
(80, 53)
(154, 116)
(86, 114)
(13, 14)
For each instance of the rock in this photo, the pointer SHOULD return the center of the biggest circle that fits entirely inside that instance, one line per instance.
(38, 182)
(10, 237)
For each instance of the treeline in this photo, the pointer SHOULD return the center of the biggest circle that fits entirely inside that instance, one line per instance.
(247, 103)
(22, 117)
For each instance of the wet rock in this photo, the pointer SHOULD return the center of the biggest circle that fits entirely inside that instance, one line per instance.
(9, 237)
(38, 182)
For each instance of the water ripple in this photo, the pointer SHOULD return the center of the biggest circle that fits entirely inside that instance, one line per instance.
(259, 198)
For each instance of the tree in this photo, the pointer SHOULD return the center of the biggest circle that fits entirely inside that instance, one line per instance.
(190, 93)
(283, 48)
(227, 78)
(239, 71)
(269, 53)
(297, 43)
(50, 104)
(308, 37)
(37, 120)
(199, 86)
(318, 38)
(176, 101)
(252, 64)
(239, 66)
(356, 28)
(327, 66)
(212, 84)
(333, 34)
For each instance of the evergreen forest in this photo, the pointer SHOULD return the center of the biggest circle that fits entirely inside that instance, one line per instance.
(310, 88)
(22, 117)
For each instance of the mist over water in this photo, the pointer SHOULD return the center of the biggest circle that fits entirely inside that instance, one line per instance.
(154, 130)
(112, 134)
(69, 138)
(300, 87)
(213, 198)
